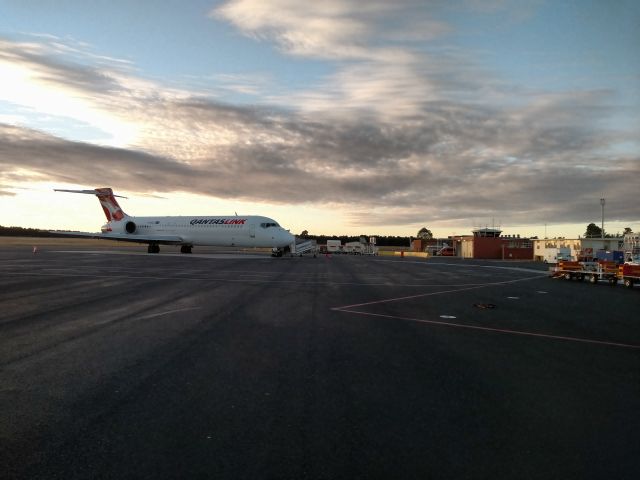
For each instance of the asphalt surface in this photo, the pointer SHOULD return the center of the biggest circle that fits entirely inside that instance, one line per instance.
(115, 364)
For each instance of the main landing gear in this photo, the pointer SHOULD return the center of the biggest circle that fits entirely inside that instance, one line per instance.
(155, 248)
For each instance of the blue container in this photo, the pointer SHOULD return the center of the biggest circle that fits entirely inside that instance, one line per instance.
(610, 256)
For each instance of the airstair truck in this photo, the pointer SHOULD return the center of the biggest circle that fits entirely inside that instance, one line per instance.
(305, 246)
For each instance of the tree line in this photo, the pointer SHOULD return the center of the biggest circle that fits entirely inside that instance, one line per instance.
(381, 240)
(594, 231)
(23, 232)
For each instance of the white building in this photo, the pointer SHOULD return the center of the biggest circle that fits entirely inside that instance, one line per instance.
(579, 246)
(631, 246)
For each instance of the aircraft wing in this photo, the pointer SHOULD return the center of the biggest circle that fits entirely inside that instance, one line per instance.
(160, 239)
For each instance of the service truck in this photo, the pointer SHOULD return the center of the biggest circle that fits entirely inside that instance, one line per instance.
(629, 274)
(556, 254)
(334, 246)
(592, 271)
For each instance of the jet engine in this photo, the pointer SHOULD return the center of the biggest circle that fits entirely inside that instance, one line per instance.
(130, 227)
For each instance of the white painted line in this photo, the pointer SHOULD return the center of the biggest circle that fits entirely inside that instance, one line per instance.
(496, 330)
(168, 312)
(410, 297)
(211, 256)
(435, 264)
(297, 281)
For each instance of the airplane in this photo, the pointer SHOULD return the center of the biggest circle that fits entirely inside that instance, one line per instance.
(186, 231)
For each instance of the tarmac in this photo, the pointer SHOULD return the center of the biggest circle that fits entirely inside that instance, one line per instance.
(115, 363)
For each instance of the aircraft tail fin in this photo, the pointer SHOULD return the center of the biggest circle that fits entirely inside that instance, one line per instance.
(107, 200)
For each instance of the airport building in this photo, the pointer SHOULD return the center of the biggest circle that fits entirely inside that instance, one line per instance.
(631, 247)
(579, 247)
(432, 246)
(489, 243)
(484, 243)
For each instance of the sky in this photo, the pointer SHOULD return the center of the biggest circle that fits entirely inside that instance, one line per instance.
(336, 117)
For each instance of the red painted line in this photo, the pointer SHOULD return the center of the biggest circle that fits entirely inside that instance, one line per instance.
(496, 330)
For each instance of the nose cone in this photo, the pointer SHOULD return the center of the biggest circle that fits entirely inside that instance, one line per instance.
(283, 238)
(286, 238)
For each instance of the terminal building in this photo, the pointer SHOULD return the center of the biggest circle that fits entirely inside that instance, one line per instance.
(484, 243)
(489, 243)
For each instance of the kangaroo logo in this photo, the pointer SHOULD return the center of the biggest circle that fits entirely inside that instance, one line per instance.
(109, 204)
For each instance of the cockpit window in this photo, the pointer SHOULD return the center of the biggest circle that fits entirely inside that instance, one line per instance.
(270, 224)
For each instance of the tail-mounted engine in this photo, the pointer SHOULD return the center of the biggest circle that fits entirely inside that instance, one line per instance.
(130, 227)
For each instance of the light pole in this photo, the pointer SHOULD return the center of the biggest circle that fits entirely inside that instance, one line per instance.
(602, 231)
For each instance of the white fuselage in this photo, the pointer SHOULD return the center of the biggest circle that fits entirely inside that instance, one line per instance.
(231, 231)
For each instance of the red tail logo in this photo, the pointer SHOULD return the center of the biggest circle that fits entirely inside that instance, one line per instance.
(109, 204)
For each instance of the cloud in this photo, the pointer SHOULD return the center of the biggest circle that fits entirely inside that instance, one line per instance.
(334, 29)
(48, 79)
(455, 161)
(384, 63)
(396, 135)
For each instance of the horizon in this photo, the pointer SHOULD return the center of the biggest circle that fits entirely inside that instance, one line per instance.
(608, 234)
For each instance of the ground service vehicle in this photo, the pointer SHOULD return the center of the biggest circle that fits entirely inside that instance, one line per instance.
(629, 274)
(592, 271)
(555, 255)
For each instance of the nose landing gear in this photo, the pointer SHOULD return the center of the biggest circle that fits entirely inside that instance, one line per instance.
(185, 249)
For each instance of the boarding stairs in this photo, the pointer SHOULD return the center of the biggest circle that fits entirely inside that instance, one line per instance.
(304, 246)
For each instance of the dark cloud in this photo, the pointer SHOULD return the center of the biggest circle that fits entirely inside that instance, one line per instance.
(66, 161)
(460, 163)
